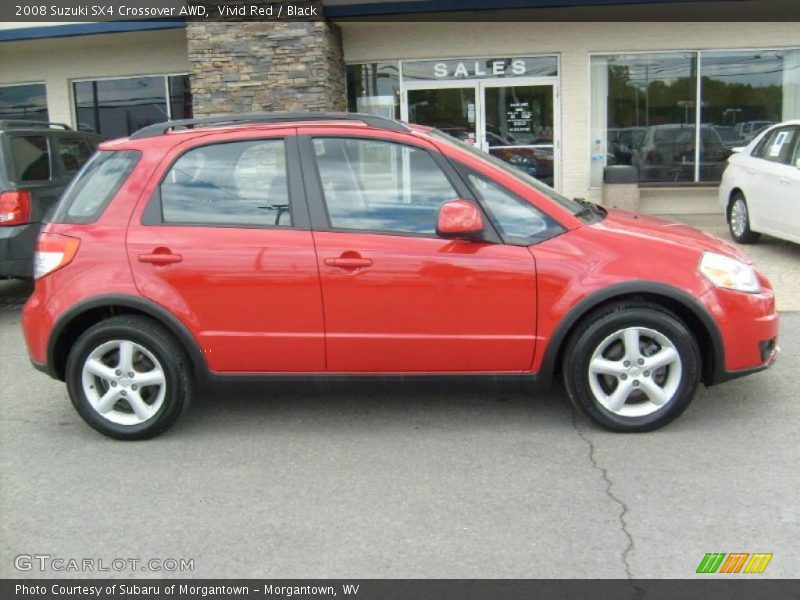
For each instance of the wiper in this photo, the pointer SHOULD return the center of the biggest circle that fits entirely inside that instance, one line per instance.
(589, 208)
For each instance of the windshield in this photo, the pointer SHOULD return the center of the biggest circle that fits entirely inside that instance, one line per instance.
(573, 206)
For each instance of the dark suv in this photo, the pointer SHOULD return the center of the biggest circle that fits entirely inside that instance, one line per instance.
(37, 161)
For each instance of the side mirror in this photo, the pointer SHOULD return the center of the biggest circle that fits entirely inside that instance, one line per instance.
(459, 220)
(797, 163)
(738, 149)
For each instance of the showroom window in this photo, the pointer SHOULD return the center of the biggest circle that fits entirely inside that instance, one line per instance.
(118, 107)
(374, 88)
(677, 116)
(27, 101)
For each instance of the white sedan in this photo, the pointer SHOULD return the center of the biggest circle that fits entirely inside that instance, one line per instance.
(760, 189)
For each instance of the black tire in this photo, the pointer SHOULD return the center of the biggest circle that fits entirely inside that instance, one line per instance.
(743, 235)
(170, 357)
(594, 333)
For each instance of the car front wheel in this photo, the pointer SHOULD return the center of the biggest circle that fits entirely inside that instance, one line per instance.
(739, 221)
(632, 367)
(128, 378)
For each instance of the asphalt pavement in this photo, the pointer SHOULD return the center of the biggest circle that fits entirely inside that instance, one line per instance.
(399, 481)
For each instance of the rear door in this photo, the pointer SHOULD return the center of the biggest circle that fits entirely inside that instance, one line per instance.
(398, 298)
(224, 243)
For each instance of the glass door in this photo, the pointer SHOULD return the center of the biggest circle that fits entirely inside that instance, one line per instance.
(519, 126)
(451, 109)
(512, 120)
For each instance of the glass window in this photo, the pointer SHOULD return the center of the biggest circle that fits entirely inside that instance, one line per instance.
(118, 107)
(374, 88)
(514, 216)
(644, 107)
(180, 97)
(743, 93)
(24, 102)
(94, 187)
(381, 186)
(31, 157)
(777, 145)
(74, 152)
(643, 111)
(237, 183)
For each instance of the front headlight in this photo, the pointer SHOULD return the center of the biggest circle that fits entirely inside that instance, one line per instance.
(726, 272)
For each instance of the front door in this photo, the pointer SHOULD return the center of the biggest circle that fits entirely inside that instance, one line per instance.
(396, 297)
(514, 120)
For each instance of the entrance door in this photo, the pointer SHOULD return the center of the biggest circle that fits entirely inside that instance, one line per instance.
(514, 120)
(519, 126)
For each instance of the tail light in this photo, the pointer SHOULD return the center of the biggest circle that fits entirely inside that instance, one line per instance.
(15, 207)
(53, 251)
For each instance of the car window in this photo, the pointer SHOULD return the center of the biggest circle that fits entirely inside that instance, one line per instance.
(373, 185)
(30, 155)
(74, 152)
(234, 183)
(94, 186)
(796, 154)
(777, 145)
(514, 216)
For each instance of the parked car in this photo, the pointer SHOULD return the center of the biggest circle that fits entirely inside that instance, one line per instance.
(747, 130)
(623, 142)
(37, 161)
(760, 188)
(260, 247)
(667, 152)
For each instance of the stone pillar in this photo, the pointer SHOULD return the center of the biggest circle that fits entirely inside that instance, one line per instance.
(240, 67)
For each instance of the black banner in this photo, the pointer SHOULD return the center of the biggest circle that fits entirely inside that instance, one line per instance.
(50, 11)
(737, 588)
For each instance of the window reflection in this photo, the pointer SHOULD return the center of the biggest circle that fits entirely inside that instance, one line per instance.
(644, 109)
(118, 107)
(374, 88)
(24, 102)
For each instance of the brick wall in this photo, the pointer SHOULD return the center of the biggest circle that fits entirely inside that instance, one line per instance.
(263, 66)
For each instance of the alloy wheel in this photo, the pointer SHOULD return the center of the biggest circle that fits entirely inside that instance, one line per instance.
(124, 382)
(635, 371)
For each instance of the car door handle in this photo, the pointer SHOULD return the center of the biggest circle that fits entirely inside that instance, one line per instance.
(160, 258)
(348, 263)
(751, 171)
(785, 180)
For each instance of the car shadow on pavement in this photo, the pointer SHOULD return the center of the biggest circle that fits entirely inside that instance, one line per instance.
(378, 405)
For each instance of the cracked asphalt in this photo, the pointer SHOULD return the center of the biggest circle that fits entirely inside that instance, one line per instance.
(401, 481)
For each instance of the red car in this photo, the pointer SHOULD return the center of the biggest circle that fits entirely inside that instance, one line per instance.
(267, 247)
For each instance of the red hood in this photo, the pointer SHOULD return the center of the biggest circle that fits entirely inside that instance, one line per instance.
(637, 224)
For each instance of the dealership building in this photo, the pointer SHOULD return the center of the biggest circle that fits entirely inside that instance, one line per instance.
(561, 88)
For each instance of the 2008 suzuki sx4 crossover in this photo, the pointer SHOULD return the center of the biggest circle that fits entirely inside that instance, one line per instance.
(268, 247)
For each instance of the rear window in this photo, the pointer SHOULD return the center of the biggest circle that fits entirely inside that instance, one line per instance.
(30, 155)
(74, 153)
(95, 185)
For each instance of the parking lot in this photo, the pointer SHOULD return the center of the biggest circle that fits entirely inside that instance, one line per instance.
(383, 481)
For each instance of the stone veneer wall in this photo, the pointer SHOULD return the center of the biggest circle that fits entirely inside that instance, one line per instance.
(266, 66)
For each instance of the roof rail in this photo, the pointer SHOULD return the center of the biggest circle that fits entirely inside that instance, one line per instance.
(30, 123)
(258, 118)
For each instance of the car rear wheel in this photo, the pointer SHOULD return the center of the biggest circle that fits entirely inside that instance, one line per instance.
(739, 221)
(128, 378)
(632, 367)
